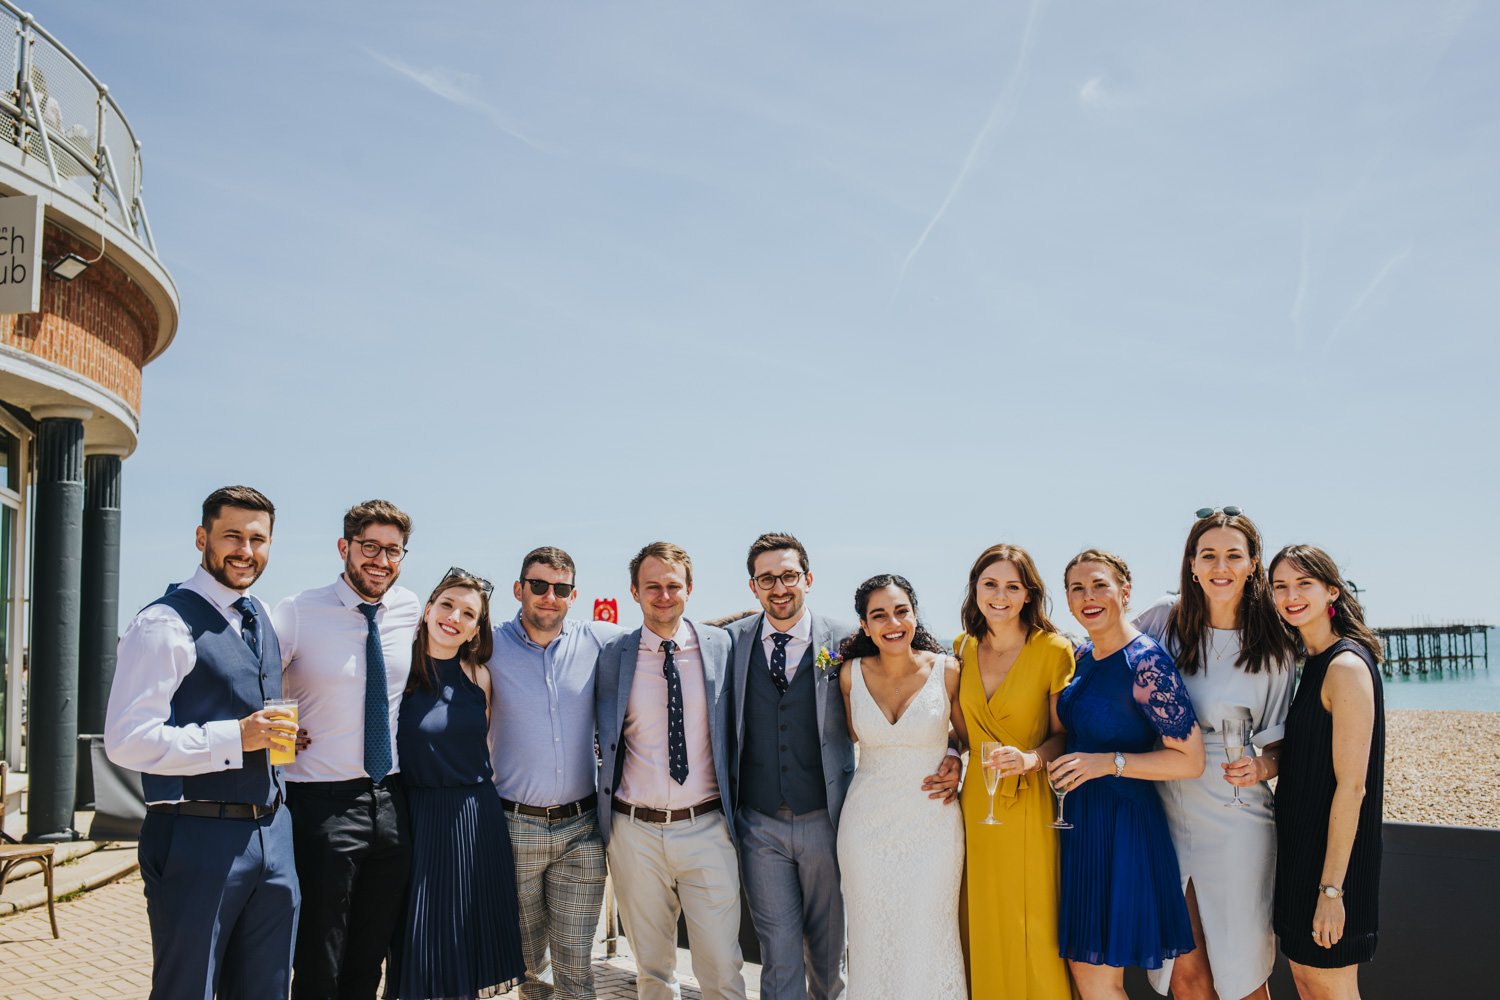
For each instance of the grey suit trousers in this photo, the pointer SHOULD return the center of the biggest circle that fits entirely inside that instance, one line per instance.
(791, 873)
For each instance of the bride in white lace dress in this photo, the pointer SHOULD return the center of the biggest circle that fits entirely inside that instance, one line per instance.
(901, 853)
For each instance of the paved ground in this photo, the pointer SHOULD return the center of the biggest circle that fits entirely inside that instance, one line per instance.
(105, 952)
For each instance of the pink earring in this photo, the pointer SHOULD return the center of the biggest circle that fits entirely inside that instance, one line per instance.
(1330, 610)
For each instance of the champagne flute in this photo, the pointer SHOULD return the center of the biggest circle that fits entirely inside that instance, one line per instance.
(1236, 733)
(1062, 793)
(987, 751)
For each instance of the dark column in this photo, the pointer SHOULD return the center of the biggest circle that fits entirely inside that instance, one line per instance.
(101, 605)
(52, 732)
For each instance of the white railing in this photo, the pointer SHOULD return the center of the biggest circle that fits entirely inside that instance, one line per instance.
(67, 126)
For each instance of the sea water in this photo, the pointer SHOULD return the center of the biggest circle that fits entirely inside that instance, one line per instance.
(1476, 690)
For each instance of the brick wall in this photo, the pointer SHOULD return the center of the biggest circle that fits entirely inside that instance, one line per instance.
(97, 325)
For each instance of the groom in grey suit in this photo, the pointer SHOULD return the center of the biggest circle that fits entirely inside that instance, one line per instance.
(792, 767)
(662, 703)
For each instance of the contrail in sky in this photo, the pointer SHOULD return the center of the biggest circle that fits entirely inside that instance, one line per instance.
(455, 89)
(1364, 296)
(999, 118)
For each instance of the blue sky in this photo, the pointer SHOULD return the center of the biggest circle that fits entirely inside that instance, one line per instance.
(903, 279)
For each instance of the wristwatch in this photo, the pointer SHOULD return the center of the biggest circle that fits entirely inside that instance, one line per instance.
(1331, 891)
(1119, 764)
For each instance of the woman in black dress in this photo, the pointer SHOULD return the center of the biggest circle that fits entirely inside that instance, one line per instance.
(462, 936)
(1332, 773)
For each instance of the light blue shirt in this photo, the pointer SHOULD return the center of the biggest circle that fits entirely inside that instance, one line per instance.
(542, 712)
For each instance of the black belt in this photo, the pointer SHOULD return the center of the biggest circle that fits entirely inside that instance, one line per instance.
(667, 815)
(549, 813)
(216, 810)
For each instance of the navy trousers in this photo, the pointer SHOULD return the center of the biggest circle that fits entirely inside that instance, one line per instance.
(222, 898)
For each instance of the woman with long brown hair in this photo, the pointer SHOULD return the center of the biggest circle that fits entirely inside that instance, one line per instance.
(1236, 658)
(1013, 665)
(462, 931)
(1328, 795)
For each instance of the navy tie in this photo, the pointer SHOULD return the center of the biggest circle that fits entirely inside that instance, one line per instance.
(677, 762)
(778, 660)
(377, 708)
(249, 625)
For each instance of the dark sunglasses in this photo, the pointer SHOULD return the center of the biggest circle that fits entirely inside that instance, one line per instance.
(459, 571)
(1211, 511)
(540, 587)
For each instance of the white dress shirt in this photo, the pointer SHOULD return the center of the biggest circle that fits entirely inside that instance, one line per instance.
(323, 635)
(644, 779)
(796, 647)
(154, 656)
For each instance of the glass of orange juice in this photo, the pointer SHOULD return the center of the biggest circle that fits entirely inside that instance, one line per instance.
(284, 754)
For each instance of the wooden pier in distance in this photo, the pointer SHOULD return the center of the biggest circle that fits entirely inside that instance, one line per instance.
(1427, 649)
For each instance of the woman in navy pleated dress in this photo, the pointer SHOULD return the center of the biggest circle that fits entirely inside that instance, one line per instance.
(462, 936)
(1130, 723)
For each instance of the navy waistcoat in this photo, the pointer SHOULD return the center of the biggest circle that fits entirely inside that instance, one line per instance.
(781, 762)
(226, 682)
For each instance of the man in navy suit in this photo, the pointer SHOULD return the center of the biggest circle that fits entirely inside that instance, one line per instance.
(186, 710)
(662, 698)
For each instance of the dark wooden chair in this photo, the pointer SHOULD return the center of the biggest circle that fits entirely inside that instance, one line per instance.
(14, 854)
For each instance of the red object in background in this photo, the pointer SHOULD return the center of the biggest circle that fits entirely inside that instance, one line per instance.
(606, 609)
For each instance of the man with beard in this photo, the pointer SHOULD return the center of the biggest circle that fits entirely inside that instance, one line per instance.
(347, 648)
(542, 744)
(193, 671)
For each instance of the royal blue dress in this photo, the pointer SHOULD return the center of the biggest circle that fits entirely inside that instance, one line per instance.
(462, 933)
(1120, 901)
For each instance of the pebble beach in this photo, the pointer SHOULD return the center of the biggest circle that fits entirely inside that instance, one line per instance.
(1442, 767)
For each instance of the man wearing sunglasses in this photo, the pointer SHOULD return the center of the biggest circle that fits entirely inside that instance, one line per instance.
(542, 742)
(346, 654)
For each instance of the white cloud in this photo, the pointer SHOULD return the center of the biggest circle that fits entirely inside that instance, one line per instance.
(456, 88)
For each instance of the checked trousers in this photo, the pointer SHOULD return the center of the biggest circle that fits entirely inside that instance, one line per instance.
(560, 872)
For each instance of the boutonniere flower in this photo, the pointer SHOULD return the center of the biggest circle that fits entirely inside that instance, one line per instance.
(828, 663)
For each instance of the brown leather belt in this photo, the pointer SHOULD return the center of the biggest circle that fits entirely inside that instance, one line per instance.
(216, 810)
(667, 815)
(550, 813)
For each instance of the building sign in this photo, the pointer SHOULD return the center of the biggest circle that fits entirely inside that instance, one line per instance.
(607, 609)
(20, 255)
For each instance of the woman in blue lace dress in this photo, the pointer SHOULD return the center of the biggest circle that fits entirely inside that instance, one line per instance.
(1130, 724)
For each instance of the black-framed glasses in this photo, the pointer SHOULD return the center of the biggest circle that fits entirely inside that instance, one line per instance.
(371, 549)
(484, 585)
(768, 580)
(1211, 511)
(540, 587)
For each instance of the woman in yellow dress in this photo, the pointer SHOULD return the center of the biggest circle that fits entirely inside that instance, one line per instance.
(1014, 664)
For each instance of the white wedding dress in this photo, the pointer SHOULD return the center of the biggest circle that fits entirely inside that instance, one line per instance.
(901, 854)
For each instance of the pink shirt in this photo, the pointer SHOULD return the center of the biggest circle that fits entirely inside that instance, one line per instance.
(645, 781)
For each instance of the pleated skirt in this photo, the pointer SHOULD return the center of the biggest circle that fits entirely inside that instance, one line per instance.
(462, 936)
(1121, 901)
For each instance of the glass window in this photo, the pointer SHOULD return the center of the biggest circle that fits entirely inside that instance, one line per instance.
(7, 546)
(10, 456)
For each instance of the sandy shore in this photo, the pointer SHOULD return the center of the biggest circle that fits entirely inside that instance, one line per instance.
(1442, 767)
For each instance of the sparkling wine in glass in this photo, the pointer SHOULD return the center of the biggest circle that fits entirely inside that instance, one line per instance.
(1062, 793)
(987, 753)
(1236, 733)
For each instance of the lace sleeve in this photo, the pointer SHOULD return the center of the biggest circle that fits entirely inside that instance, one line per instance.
(1160, 694)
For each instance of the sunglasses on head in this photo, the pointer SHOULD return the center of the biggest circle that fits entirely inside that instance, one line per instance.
(1211, 511)
(540, 587)
(459, 571)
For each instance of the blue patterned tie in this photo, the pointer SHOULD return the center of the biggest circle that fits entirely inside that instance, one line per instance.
(778, 660)
(249, 625)
(677, 762)
(377, 708)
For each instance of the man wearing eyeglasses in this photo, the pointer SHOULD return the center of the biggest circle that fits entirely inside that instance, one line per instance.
(346, 654)
(793, 764)
(542, 744)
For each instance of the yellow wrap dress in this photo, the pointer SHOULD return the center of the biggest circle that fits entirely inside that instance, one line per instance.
(1011, 870)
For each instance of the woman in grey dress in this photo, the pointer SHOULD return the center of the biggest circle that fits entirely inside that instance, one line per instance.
(1236, 659)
